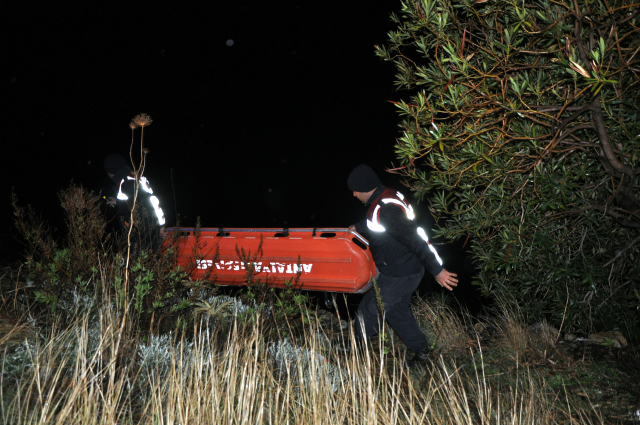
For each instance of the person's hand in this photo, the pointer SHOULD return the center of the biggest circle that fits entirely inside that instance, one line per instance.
(447, 279)
(352, 228)
(111, 200)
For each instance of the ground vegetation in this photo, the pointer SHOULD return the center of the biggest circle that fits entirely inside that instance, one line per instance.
(76, 352)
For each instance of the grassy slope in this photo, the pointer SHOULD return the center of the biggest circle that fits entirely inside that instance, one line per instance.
(97, 370)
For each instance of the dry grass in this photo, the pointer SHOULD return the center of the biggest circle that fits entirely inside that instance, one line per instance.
(450, 330)
(96, 372)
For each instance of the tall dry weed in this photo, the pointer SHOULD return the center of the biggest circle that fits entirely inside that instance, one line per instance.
(97, 371)
(448, 329)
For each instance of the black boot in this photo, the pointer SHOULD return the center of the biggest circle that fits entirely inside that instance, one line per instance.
(419, 359)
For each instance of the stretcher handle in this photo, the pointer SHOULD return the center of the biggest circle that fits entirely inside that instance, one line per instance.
(301, 230)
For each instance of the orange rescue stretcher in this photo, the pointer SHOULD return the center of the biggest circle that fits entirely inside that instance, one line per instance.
(328, 259)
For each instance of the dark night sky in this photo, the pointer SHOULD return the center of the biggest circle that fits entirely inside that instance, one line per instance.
(297, 101)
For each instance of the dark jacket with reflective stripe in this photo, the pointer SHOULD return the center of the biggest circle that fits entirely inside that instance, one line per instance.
(128, 188)
(399, 250)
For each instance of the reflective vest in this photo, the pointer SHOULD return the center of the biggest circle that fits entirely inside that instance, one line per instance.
(390, 196)
(144, 185)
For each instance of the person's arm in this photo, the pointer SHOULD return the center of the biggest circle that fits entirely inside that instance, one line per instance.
(360, 227)
(403, 230)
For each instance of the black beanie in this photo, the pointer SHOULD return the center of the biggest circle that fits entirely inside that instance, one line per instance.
(114, 163)
(363, 179)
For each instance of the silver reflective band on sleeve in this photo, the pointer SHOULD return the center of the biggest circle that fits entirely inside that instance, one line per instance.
(424, 236)
(156, 207)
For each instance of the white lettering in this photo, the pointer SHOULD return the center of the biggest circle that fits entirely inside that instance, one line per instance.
(204, 264)
(285, 268)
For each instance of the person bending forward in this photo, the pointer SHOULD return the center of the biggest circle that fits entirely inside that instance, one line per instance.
(401, 251)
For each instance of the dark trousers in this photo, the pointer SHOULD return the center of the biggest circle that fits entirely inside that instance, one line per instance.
(396, 295)
(145, 235)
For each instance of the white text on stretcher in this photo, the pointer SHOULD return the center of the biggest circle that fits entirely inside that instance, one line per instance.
(259, 267)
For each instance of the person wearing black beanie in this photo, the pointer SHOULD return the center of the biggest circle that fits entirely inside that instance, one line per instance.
(402, 252)
(363, 179)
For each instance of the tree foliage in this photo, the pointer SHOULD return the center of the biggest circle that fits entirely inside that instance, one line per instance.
(522, 121)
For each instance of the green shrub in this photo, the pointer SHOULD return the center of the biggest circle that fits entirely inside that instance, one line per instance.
(89, 262)
(522, 124)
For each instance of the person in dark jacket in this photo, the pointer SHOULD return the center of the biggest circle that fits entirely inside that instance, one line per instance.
(401, 251)
(149, 230)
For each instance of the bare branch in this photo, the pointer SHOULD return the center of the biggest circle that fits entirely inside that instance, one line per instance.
(608, 210)
(573, 130)
(625, 198)
(622, 251)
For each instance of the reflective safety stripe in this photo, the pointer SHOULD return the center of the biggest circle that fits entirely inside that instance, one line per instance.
(408, 209)
(156, 206)
(389, 196)
(424, 236)
(122, 196)
(375, 225)
(144, 184)
(392, 197)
